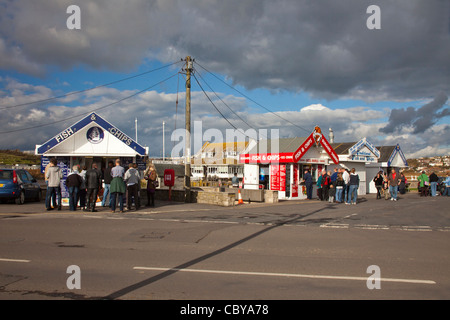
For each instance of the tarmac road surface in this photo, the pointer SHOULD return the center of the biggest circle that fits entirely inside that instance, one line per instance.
(292, 250)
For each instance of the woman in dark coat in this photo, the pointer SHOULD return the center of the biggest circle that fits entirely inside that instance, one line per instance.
(402, 185)
(378, 180)
(152, 183)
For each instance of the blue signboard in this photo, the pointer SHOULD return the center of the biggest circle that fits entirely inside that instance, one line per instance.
(358, 155)
(396, 151)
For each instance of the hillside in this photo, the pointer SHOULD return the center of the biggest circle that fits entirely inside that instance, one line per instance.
(440, 165)
(12, 157)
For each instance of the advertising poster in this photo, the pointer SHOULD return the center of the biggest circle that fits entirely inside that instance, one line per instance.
(295, 182)
(64, 165)
(282, 173)
(275, 177)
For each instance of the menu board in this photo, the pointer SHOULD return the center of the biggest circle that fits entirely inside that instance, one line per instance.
(275, 177)
(283, 177)
(295, 182)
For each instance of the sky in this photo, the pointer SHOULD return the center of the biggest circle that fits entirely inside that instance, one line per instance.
(286, 65)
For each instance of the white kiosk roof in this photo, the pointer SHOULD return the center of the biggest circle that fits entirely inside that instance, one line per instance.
(91, 136)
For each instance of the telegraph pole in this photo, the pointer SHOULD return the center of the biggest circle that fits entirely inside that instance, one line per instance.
(187, 164)
(164, 149)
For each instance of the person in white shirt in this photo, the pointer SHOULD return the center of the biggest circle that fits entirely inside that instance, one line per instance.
(346, 177)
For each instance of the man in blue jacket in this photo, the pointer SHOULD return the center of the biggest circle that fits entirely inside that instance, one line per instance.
(309, 184)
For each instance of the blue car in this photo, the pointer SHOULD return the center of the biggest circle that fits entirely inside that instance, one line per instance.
(18, 185)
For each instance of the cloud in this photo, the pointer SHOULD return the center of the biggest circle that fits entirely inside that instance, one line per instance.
(419, 119)
(320, 47)
(152, 108)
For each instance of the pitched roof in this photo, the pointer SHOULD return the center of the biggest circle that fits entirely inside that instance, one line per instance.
(385, 152)
(83, 123)
(342, 147)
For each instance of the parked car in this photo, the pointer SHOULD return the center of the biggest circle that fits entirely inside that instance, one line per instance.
(18, 185)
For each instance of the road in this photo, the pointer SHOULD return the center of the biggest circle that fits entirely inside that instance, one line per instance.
(293, 250)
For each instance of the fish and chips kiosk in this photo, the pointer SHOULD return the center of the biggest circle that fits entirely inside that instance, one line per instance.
(90, 140)
(279, 164)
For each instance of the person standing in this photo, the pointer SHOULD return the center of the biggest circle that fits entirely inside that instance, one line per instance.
(346, 177)
(73, 183)
(319, 185)
(433, 183)
(54, 176)
(339, 187)
(48, 194)
(93, 185)
(447, 186)
(326, 181)
(386, 193)
(235, 181)
(394, 181)
(151, 177)
(117, 187)
(132, 180)
(333, 177)
(332, 191)
(378, 180)
(107, 181)
(353, 187)
(82, 192)
(423, 184)
(402, 184)
(309, 184)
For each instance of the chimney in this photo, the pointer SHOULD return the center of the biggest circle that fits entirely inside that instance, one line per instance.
(331, 136)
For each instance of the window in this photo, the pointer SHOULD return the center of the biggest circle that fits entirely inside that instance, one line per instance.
(6, 175)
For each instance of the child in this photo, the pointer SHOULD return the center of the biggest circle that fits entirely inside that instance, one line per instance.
(331, 192)
(387, 194)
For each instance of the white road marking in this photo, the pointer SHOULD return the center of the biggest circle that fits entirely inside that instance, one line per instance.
(14, 260)
(335, 225)
(268, 224)
(288, 275)
(371, 227)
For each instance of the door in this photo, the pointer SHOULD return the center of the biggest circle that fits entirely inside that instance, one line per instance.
(26, 184)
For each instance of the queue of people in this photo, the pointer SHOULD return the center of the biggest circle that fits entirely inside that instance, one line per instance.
(85, 186)
(341, 186)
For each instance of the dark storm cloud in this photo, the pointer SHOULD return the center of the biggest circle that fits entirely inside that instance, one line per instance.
(321, 47)
(420, 119)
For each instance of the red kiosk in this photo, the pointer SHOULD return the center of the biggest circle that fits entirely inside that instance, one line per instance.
(279, 164)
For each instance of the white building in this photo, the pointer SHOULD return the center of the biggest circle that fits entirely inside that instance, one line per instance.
(91, 140)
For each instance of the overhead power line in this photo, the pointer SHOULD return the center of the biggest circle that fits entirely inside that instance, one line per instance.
(204, 92)
(223, 116)
(223, 101)
(255, 102)
(249, 125)
(89, 89)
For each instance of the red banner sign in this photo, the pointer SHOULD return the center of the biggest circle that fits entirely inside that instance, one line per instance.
(266, 158)
(303, 148)
(286, 157)
(326, 145)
